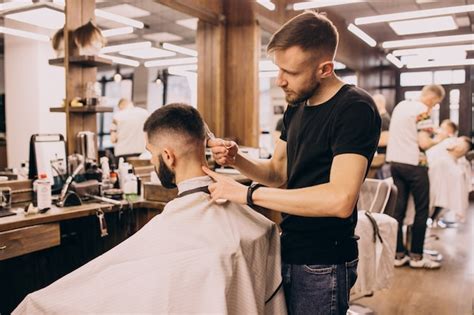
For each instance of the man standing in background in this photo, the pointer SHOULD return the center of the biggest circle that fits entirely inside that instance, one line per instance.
(126, 132)
(411, 134)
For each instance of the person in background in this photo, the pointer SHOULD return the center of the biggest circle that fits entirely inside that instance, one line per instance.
(450, 178)
(411, 134)
(329, 137)
(380, 102)
(384, 170)
(126, 131)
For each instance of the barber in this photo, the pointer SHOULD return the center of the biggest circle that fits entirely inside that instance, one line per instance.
(329, 136)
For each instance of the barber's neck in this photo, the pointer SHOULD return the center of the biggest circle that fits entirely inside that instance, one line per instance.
(189, 169)
(327, 89)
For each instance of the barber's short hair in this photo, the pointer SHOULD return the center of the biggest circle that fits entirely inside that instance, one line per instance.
(311, 31)
(435, 89)
(177, 118)
(450, 124)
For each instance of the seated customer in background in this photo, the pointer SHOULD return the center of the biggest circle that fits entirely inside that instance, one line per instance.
(195, 257)
(126, 131)
(450, 177)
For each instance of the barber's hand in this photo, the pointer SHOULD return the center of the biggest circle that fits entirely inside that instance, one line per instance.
(224, 152)
(226, 188)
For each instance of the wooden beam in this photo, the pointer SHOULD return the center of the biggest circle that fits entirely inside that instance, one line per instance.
(77, 14)
(210, 42)
(205, 10)
(242, 83)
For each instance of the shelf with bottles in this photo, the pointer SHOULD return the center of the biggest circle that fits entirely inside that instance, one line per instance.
(84, 61)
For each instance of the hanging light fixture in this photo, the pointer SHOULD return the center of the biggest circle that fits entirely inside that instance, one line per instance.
(118, 75)
(159, 79)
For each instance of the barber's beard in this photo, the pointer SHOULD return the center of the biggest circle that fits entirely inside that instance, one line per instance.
(166, 175)
(305, 94)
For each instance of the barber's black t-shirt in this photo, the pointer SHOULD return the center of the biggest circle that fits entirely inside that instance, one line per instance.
(347, 123)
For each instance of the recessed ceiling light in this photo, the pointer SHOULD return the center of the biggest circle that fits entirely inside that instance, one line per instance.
(452, 63)
(362, 35)
(122, 61)
(428, 41)
(170, 62)
(118, 18)
(427, 25)
(117, 31)
(188, 23)
(123, 47)
(42, 17)
(321, 4)
(162, 37)
(127, 10)
(14, 4)
(148, 53)
(267, 4)
(413, 14)
(24, 34)
(394, 60)
(443, 49)
(180, 49)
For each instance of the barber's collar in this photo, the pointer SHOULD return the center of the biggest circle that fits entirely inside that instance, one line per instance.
(193, 183)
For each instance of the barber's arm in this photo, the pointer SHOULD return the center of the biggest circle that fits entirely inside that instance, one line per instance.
(333, 199)
(425, 141)
(270, 172)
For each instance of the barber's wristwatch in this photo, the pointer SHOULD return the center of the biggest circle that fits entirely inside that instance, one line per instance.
(253, 187)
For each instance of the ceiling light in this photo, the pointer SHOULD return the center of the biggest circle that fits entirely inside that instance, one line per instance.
(24, 34)
(321, 3)
(42, 17)
(123, 47)
(188, 23)
(362, 35)
(428, 25)
(179, 49)
(170, 62)
(267, 4)
(14, 4)
(428, 41)
(118, 18)
(444, 63)
(414, 14)
(183, 70)
(117, 31)
(127, 10)
(148, 53)
(339, 65)
(122, 61)
(162, 37)
(394, 60)
(442, 49)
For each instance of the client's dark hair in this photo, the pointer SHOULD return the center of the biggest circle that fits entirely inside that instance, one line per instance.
(468, 141)
(176, 118)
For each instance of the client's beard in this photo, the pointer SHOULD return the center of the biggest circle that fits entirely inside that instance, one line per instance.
(166, 175)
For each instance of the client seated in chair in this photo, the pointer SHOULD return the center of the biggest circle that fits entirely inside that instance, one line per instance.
(450, 177)
(197, 256)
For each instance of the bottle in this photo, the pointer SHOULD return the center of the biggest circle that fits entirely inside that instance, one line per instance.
(42, 192)
(23, 172)
(113, 177)
(130, 186)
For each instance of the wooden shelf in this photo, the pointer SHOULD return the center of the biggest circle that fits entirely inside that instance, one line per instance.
(84, 61)
(83, 109)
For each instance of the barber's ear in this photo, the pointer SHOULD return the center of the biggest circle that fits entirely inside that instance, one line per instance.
(168, 157)
(326, 69)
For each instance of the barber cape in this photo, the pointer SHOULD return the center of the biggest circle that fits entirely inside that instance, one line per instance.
(196, 257)
(450, 179)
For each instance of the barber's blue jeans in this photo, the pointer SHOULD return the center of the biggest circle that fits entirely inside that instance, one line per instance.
(318, 289)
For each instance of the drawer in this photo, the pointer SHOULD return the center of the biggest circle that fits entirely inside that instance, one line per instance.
(29, 239)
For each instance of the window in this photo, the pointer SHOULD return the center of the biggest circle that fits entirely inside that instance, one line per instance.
(429, 77)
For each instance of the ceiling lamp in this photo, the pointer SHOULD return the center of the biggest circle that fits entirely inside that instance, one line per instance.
(362, 35)
(428, 41)
(321, 3)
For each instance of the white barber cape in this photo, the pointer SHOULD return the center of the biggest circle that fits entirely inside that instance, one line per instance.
(197, 257)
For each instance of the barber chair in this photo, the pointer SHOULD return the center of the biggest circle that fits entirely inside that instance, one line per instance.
(377, 245)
